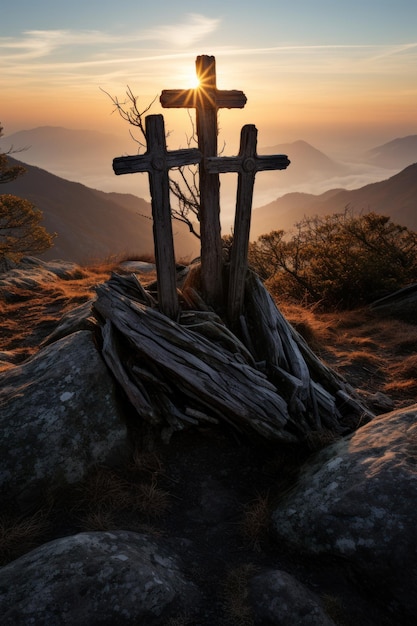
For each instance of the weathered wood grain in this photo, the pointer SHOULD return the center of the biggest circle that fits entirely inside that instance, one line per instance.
(196, 370)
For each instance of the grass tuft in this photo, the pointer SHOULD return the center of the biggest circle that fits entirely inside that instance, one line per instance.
(235, 595)
(256, 521)
(18, 536)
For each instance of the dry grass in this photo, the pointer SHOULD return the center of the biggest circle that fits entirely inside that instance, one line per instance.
(374, 354)
(256, 520)
(235, 594)
(18, 536)
(335, 609)
(107, 496)
(24, 327)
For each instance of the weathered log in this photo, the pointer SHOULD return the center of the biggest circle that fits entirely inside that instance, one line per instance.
(136, 392)
(316, 392)
(196, 370)
(208, 377)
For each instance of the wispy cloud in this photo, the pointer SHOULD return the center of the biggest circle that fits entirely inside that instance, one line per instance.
(38, 44)
(185, 33)
(92, 56)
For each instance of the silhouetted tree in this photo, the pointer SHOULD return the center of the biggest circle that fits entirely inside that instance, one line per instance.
(183, 183)
(8, 172)
(340, 260)
(20, 231)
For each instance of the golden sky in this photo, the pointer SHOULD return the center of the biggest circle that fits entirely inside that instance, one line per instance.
(326, 72)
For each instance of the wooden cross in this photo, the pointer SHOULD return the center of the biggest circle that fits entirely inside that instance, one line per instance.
(157, 161)
(247, 163)
(207, 99)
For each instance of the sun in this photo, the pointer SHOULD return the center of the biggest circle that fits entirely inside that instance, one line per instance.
(189, 79)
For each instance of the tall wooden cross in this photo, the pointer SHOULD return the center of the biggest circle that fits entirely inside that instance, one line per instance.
(207, 99)
(157, 161)
(247, 163)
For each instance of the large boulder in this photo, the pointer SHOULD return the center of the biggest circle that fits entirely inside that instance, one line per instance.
(58, 416)
(279, 598)
(357, 500)
(112, 578)
(31, 273)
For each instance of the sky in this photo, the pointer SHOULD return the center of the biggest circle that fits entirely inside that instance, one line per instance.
(341, 75)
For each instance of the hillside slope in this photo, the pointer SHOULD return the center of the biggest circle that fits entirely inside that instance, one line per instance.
(92, 224)
(396, 197)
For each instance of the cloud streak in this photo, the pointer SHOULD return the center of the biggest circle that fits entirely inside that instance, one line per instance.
(46, 59)
(184, 34)
(38, 44)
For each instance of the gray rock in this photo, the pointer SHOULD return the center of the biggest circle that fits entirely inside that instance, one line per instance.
(23, 279)
(137, 266)
(78, 318)
(31, 272)
(58, 416)
(280, 599)
(356, 500)
(109, 578)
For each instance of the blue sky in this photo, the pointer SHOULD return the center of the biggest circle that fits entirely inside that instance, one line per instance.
(323, 71)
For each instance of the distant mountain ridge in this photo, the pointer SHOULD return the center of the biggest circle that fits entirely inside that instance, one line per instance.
(91, 224)
(103, 225)
(399, 152)
(86, 156)
(395, 197)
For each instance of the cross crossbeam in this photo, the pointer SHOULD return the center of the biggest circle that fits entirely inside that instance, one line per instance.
(157, 161)
(207, 99)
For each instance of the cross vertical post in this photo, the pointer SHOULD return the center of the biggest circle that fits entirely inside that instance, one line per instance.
(210, 228)
(247, 163)
(157, 162)
(207, 99)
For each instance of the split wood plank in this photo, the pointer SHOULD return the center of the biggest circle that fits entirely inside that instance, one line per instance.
(213, 379)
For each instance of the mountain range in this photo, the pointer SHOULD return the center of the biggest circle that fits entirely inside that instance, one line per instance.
(86, 156)
(92, 225)
(395, 197)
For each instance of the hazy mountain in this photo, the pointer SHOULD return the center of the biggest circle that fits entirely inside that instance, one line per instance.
(307, 161)
(310, 170)
(395, 154)
(396, 197)
(84, 156)
(61, 150)
(91, 224)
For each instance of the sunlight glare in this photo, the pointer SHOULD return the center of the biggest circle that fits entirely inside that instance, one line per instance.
(189, 79)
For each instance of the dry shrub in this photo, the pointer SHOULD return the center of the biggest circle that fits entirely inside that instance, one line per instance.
(151, 500)
(103, 488)
(256, 519)
(334, 608)
(106, 496)
(235, 594)
(18, 536)
(317, 440)
(100, 519)
(145, 464)
(99, 498)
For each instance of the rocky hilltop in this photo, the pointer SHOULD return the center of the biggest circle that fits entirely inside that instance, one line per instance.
(210, 527)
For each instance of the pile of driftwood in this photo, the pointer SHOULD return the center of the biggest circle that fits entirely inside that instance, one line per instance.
(262, 378)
